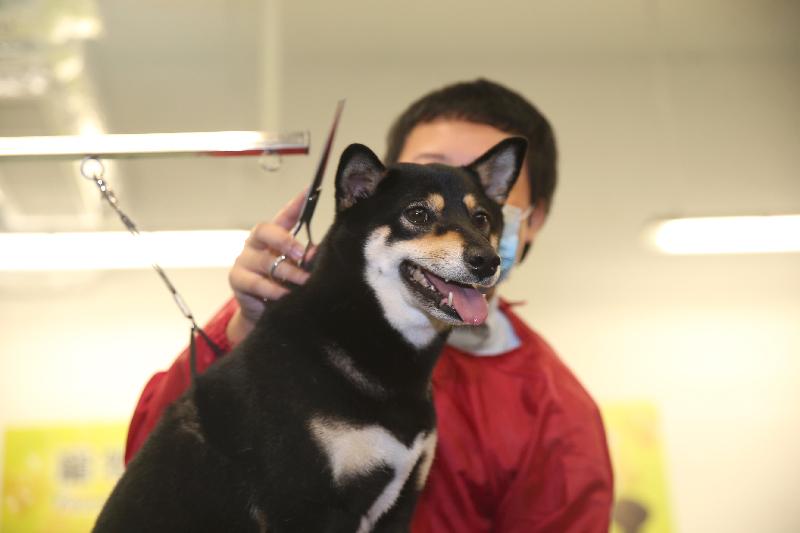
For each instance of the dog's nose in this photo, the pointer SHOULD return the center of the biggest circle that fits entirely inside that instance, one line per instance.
(482, 262)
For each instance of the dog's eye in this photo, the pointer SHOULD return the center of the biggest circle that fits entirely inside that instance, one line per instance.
(418, 215)
(481, 220)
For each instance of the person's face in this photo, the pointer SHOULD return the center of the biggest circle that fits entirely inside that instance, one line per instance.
(458, 143)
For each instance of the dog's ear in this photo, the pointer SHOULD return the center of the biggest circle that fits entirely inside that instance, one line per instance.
(499, 167)
(358, 175)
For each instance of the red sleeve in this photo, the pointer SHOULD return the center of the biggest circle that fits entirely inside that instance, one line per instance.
(564, 482)
(567, 487)
(165, 387)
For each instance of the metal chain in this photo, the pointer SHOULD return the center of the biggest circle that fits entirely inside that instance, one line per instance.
(92, 169)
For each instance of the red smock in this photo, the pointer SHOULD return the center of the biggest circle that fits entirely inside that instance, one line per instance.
(521, 445)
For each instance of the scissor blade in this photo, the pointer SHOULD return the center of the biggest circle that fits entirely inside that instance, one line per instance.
(316, 185)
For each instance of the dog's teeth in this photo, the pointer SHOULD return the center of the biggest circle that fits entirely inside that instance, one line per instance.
(450, 298)
(420, 278)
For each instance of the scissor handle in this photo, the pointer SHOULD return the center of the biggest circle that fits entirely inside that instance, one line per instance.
(308, 211)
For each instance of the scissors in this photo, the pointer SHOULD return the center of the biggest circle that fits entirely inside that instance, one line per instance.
(316, 187)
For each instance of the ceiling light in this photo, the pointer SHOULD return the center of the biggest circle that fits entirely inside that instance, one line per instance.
(727, 235)
(119, 250)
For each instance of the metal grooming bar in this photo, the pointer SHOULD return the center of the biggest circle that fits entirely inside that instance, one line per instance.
(115, 146)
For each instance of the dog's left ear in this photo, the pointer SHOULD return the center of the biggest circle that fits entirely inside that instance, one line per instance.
(499, 167)
(358, 175)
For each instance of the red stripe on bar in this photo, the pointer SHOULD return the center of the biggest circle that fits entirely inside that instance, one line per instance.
(278, 151)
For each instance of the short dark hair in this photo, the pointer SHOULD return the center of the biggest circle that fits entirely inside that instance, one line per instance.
(486, 102)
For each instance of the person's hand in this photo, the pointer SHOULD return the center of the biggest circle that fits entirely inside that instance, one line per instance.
(254, 280)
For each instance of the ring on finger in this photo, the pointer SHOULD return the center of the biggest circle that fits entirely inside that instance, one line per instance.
(278, 260)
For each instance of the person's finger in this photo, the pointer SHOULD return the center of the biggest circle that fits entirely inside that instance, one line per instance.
(276, 239)
(262, 262)
(312, 251)
(243, 281)
(288, 215)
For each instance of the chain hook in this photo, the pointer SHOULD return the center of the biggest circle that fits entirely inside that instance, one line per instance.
(92, 168)
(270, 161)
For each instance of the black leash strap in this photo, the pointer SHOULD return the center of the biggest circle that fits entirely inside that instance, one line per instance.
(92, 168)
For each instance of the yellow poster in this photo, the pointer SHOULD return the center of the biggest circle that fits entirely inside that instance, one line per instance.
(634, 439)
(56, 479)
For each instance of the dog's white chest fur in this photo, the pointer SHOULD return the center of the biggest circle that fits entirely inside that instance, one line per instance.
(353, 451)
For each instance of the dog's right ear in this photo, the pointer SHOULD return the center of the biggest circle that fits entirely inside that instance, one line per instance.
(358, 175)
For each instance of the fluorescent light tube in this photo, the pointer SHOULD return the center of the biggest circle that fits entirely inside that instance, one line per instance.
(727, 235)
(109, 250)
(150, 144)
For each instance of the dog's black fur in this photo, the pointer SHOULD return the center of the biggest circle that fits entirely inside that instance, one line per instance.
(235, 452)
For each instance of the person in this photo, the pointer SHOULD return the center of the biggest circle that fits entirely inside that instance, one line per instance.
(521, 444)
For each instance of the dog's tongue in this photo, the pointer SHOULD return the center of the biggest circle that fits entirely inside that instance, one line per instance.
(468, 302)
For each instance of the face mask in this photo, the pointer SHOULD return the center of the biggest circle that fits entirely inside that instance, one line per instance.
(509, 240)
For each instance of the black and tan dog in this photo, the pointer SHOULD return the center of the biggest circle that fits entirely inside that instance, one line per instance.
(322, 420)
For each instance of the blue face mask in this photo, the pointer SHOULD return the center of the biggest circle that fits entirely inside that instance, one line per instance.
(509, 240)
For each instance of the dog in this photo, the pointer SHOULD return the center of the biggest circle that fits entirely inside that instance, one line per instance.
(322, 420)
